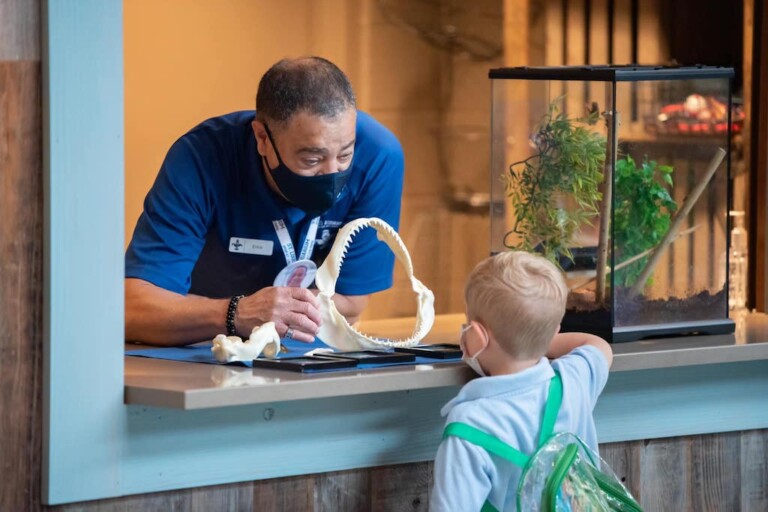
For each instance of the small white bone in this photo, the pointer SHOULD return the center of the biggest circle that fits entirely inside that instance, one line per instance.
(264, 339)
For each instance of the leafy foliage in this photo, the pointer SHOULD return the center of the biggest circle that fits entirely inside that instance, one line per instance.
(566, 167)
(643, 212)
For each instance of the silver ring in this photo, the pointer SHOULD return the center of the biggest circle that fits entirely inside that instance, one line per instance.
(288, 333)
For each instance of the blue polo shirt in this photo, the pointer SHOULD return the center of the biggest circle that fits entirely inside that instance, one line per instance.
(207, 225)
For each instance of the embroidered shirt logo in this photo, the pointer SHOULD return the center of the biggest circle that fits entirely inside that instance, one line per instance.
(325, 238)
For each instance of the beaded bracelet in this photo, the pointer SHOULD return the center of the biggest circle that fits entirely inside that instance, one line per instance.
(231, 331)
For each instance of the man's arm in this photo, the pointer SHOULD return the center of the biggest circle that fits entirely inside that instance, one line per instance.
(565, 342)
(161, 317)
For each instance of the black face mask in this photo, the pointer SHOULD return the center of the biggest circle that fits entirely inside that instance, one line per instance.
(313, 194)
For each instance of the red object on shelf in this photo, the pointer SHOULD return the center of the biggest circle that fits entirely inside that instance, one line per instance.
(697, 115)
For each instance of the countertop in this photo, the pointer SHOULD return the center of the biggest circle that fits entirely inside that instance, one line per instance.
(181, 385)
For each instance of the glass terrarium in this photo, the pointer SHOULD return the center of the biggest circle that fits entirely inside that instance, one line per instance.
(620, 176)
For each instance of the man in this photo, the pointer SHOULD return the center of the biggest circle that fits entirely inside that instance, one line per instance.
(242, 197)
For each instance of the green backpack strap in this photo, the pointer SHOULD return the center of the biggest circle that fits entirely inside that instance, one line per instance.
(498, 447)
(488, 507)
(490, 443)
(552, 408)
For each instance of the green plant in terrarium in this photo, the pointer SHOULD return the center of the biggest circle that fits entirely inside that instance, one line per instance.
(566, 166)
(642, 216)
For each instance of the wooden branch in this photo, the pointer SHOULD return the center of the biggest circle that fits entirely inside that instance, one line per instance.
(678, 220)
(605, 210)
(633, 259)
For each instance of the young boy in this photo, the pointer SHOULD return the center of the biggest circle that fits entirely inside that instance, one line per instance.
(515, 302)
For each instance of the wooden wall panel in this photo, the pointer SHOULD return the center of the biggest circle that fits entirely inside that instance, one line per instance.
(652, 45)
(712, 459)
(758, 212)
(19, 30)
(537, 32)
(21, 234)
(664, 470)
(624, 461)
(225, 498)
(598, 31)
(721, 472)
(404, 487)
(295, 493)
(575, 55)
(345, 490)
(754, 471)
(740, 170)
(20, 280)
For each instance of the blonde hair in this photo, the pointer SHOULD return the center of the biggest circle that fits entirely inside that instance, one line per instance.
(520, 297)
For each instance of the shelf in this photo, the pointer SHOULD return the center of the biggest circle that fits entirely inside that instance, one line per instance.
(179, 385)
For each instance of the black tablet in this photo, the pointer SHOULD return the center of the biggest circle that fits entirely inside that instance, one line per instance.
(371, 356)
(303, 364)
(437, 351)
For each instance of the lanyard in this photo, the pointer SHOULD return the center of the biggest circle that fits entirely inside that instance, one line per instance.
(287, 244)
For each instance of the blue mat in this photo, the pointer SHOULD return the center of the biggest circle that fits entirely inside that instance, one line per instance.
(203, 354)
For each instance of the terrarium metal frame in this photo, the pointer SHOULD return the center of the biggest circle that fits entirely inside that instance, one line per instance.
(616, 189)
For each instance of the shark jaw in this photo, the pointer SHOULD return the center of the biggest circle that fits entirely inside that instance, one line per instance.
(334, 329)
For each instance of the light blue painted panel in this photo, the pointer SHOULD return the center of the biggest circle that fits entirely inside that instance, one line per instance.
(83, 312)
(683, 401)
(169, 449)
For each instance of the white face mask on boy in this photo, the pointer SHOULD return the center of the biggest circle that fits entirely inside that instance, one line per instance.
(472, 362)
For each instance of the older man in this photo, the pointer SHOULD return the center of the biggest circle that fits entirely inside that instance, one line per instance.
(243, 200)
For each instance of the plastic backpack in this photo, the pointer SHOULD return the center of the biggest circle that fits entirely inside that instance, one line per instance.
(562, 475)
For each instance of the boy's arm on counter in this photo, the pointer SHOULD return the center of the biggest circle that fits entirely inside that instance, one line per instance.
(565, 342)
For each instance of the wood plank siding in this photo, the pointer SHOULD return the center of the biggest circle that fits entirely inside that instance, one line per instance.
(21, 236)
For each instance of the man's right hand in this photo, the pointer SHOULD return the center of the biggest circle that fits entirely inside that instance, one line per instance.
(294, 308)
(161, 317)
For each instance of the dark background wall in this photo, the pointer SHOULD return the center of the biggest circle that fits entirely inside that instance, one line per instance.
(706, 32)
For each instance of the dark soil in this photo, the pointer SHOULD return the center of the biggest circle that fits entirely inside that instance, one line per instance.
(583, 314)
(597, 321)
(639, 310)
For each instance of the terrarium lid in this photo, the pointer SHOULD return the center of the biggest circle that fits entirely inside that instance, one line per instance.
(625, 73)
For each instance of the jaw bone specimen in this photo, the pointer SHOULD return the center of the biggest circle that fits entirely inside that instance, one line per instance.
(334, 329)
(264, 339)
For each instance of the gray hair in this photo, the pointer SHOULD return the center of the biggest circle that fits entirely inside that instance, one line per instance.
(520, 297)
(308, 84)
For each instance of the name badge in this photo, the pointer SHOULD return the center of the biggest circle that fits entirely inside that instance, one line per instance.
(251, 246)
(298, 274)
